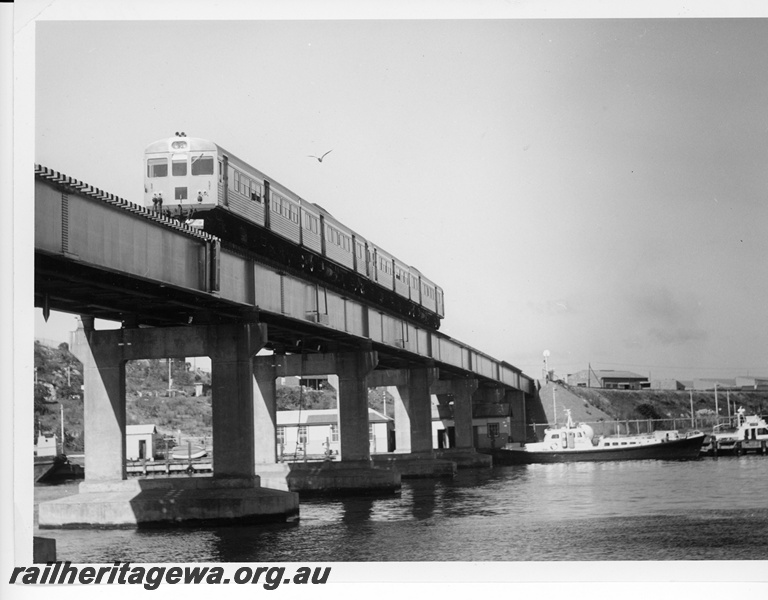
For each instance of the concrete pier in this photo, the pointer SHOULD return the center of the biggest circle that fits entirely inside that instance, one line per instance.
(43, 550)
(414, 456)
(169, 501)
(347, 478)
(416, 465)
(354, 472)
(232, 495)
(465, 458)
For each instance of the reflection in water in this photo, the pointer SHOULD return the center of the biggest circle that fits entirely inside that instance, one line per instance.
(356, 510)
(642, 510)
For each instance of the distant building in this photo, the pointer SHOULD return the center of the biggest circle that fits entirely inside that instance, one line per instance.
(667, 384)
(617, 380)
(752, 383)
(310, 382)
(141, 442)
(314, 432)
(709, 384)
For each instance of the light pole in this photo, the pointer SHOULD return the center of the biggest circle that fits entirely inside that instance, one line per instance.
(554, 404)
(61, 413)
(546, 366)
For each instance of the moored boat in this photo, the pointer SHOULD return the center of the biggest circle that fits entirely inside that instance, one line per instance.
(575, 443)
(749, 434)
(189, 451)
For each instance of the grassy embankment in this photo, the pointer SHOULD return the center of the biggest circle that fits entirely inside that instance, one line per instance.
(673, 408)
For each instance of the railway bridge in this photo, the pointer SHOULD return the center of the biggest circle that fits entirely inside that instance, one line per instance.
(181, 292)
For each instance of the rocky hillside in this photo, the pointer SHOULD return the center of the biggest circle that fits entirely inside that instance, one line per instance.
(150, 398)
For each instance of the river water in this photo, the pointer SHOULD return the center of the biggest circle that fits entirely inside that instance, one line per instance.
(706, 509)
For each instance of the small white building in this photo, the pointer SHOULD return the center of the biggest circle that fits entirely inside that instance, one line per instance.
(47, 445)
(315, 433)
(141, 442)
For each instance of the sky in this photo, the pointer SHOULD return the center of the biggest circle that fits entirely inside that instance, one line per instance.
(594, 187)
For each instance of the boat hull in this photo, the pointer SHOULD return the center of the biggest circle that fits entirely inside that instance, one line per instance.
(681, 449)
(189, 453)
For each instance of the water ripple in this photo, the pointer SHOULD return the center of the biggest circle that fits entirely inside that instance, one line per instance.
(646, 510)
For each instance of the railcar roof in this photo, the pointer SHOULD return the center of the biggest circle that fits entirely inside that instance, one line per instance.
(194, 145)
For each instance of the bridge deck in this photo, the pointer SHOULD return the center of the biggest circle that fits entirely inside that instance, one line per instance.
(99, 255)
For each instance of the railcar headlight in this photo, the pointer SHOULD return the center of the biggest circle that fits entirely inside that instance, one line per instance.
(177, 145)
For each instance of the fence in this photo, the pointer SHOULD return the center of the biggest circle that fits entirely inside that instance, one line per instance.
(703, 423)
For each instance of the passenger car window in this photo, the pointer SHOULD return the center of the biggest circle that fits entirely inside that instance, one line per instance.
(179, 167)
(202, 165)
(157, 167)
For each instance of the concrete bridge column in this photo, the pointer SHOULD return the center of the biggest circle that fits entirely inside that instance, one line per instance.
(413, 406)
(352, 369)
(462, 412)
(265, 410)
(518, 430)
(103, 402)
(354, 473)
(463, 453)
(265, 370)
(238, 414)
(414, 454)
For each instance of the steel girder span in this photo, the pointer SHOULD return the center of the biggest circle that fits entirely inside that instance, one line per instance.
(105, 257)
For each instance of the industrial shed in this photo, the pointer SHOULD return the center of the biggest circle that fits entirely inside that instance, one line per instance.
(315, 433)
(607, 379)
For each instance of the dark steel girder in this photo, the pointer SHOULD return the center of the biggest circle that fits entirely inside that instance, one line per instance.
(66, 286)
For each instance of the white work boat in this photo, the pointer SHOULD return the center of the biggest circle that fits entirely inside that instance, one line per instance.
(575, 443)
(750, 433)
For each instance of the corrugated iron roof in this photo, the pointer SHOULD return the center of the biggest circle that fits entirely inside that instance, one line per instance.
(618, 375)
(326, 416)
(140, 429)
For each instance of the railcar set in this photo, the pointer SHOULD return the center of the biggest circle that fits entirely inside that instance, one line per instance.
(196, 180)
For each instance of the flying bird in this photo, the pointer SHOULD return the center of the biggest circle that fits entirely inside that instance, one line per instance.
(320, 158)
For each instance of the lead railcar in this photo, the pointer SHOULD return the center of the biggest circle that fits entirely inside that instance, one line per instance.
(197, 180)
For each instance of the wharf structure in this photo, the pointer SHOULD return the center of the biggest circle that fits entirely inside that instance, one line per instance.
(180, 292)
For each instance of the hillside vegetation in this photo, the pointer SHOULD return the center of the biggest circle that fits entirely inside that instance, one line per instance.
(670, 404)
(58, 382)
(595, 404)
(173, 408)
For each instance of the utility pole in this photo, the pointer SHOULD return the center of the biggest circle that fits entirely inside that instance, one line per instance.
(717, 410)
(693, 421)
(61, 405)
